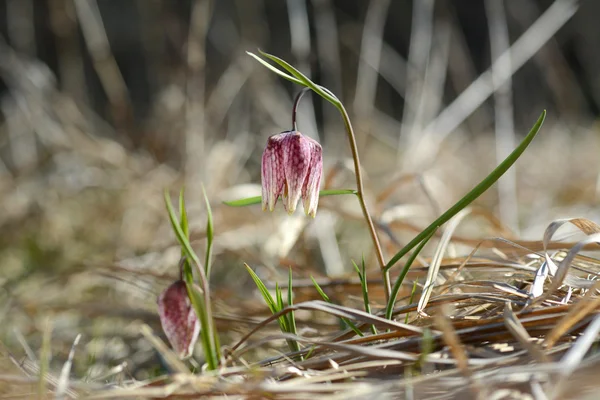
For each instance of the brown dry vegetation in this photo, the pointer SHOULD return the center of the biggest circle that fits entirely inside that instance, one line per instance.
(86, 246)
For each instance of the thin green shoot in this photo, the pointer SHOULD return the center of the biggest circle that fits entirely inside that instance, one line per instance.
(210, 233)
(291, 316)
(326, 298)
(287, 323)
(183, 222)
(362, 277)
(412, 297)
(394, 294)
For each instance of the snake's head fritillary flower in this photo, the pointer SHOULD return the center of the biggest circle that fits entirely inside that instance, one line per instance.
(292, 165)
(178, 319)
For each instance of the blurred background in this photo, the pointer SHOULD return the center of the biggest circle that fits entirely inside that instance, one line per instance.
(105, 103)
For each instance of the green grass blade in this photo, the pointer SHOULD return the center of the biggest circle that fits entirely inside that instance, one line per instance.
(319, 290)
(210, 233)
(410, 300)
(183, 222)
(291, 316)
(394, 294)
(328, 300)
(484, 185)
(207, 337)
(181, 238)
(277, 71)
(263, 290)
(284, 320)
(278, 297)
(249, 201)
(362, 277)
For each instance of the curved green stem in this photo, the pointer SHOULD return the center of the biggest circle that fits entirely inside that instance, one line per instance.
(361, 200)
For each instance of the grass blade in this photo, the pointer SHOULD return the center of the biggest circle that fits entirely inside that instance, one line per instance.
(411, 299)
(328, 300)
(249, 201)
(362, 277)
(394, 294)
(209, 235)
(207, 337)
(179, 234)
(291, 316)
(320, 290)
(183, 222)
(477, 191)
(263, 290)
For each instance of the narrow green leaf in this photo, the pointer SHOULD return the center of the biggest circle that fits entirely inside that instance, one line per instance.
(283, 322)
(473, 194)
(278, 297)
(249, 201)
(312, 350)
(319, 290)
(206, 336)
(263, 290)
(304, 79)
(277, 71)
(184, 219)
(291, 316)
(181, 238)
(328, 300)
(394, 294)
(209, 235)
(411, 298)
(362, 277)
(183, 222)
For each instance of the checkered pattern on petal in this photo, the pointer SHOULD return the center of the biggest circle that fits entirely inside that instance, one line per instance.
(312, 183)
(178, 319)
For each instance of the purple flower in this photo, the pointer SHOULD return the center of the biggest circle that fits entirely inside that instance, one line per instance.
(178, 319)
(292, 165)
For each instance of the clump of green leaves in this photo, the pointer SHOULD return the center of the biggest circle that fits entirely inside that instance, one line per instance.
(287, 322)
(199, 295)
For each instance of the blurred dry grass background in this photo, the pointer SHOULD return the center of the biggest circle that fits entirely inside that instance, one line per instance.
(106, 103)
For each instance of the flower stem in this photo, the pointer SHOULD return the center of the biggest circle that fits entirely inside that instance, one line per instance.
(361, 200)
(295, 108)
(359, 184)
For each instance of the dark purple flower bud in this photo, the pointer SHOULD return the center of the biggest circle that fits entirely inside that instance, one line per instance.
(178, 319)
(292, 165)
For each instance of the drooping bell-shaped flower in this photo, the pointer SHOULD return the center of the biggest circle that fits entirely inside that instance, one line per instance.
(178, 319)
(292, 165)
